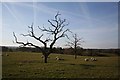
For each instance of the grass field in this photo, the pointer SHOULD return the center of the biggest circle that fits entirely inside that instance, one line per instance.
(30, 65)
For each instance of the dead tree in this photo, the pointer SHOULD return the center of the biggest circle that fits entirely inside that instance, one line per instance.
(75, 43)
(56, 31)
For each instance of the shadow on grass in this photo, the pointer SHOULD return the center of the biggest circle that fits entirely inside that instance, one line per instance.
(30, 61)
(84, 66)
(87, 66)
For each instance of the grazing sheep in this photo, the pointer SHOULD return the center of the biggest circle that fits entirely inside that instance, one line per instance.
(86, 59)
(93, 59)
(57, 58)
(7, 55)
(42, 56)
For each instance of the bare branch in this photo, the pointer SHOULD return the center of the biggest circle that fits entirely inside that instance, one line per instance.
(75, 42)
(16, 39)
(69, 45)
(40, 36)
(52, 23)
(25, 44)
(57, 15)
(31, 34)
(46, 30)
(48, 39)
(25, 34)
(63, 34)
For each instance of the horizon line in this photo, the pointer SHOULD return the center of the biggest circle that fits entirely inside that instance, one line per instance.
(56, 47)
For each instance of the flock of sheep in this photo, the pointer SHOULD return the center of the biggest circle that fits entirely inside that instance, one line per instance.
(58, 58)
(5, 55)
(86, 59)
(90, 59)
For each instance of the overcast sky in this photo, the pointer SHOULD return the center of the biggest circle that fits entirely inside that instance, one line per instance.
(95, 22)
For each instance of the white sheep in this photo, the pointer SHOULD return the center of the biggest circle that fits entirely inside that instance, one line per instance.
(86, 59)
(7, 55)
(42, 56)
(57, 58)
(93, 59)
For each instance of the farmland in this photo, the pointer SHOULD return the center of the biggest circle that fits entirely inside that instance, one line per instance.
(31, 65)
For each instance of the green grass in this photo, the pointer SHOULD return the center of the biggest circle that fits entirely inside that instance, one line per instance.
(31, 65)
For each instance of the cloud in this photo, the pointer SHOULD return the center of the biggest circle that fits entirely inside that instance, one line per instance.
(12, 13)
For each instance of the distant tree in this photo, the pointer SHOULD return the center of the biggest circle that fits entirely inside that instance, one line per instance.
(68, 51)
(5, 49)
(59, 50)
(75, 43)
(56, 31)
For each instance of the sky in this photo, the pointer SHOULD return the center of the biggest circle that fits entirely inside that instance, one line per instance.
(95, 22)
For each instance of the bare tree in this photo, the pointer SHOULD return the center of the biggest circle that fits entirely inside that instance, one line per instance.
(56, 31)
(74, 43)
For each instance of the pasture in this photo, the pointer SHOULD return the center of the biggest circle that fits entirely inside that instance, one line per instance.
(30, 65)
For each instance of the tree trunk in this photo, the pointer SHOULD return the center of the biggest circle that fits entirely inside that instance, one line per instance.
(75, 53)
(45, 59)
(75, 56)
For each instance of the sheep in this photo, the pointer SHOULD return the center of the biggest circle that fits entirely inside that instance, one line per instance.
(86, 59)
(7, 55)
(57, 58)
(42, 56)
(93, 59)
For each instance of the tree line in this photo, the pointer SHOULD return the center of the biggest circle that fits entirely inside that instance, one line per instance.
(60, 50)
